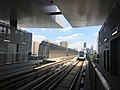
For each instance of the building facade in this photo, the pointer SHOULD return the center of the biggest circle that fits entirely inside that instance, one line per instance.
(15, 44)
(51, 50)
(91, 49)
(109, 47)
(35, 48)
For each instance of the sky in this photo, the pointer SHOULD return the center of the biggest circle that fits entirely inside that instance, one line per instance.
(74, 36)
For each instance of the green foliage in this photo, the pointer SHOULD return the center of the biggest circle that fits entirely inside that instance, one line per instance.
(94, 56)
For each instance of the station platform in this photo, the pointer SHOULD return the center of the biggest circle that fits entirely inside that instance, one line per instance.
(11, 68)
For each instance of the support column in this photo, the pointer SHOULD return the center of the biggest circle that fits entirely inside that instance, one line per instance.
(13, 16)
(13, 23)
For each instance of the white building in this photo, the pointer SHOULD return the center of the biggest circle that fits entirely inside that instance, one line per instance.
(35, 47)
(64, 44)
(91, 49)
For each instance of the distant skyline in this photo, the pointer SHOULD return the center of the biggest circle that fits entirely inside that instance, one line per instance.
(85, 45)
(74, 36)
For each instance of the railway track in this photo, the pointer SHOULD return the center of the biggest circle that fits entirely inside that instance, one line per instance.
(67, 78)
(32, 76)
(71, 80)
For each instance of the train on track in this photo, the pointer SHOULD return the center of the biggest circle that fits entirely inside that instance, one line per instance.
(81, 55)
(50, 50)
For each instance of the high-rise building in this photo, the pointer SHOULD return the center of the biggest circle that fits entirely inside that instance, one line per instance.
(91, 49)
(64, 44)
(85, 45)
(35, 47)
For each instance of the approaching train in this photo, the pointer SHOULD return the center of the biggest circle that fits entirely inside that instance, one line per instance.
(81, 55)
(50, 50)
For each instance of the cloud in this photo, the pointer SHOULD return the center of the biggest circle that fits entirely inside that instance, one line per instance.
(57, 42)
(74, 36)
(39, 38)
(42, 29)
(95, 46)
(66, 29)
(47, 29)
(76, 45)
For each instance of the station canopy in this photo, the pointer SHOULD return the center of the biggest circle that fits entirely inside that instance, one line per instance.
(44, 13)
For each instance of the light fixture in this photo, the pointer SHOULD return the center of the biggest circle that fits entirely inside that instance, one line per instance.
(114, 33)
(105, 39)
(6, 40)
(100, 43)
(23, 43)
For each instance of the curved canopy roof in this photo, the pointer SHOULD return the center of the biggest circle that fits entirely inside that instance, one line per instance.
(85, 12)
(43, 13)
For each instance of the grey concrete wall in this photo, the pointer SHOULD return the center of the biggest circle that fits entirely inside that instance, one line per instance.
(19, 46)
(111, 24)
(50, 50)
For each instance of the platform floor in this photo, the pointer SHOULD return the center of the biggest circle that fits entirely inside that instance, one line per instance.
(87, 81)
(11, 68)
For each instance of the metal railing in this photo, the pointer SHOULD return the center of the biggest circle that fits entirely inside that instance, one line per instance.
(10, 58)
(97, 80)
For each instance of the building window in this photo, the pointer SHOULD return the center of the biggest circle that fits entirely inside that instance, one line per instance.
(2, 29)
(108, 64)
(115, 50)
(104, 59)
(9, 31)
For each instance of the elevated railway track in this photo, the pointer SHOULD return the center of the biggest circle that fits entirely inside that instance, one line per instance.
(40, 77)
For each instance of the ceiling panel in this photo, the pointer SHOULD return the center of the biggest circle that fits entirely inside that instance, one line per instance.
(29, 13)
(37, 13)
(85, 12)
